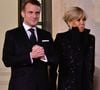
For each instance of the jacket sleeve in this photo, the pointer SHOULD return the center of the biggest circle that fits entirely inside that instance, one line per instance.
(91, 59)
(91, 55)
(10, 58)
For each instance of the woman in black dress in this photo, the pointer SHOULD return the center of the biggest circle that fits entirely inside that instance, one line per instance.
(76, 49)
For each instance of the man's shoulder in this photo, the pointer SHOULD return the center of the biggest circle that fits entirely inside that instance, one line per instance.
(13, 29)
(13, 32)
(43, 31)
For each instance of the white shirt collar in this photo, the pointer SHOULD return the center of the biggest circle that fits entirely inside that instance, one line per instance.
(27, 27)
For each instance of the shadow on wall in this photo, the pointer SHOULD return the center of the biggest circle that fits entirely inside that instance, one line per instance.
(97, 79)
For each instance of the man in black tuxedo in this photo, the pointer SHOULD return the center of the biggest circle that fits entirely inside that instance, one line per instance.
(28, 60)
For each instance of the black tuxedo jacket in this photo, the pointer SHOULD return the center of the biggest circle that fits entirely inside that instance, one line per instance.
(26, 75)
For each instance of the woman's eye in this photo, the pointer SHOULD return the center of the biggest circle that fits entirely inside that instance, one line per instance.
(78, 19)
(84, 19)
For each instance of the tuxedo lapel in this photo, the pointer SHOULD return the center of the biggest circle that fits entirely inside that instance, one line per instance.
(23, 37)
(40, 35)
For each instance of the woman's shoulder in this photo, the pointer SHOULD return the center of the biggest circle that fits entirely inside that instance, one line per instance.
(92, 37)
(62, 34)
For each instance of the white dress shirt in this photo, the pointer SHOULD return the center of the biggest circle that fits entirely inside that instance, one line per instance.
(26, 27)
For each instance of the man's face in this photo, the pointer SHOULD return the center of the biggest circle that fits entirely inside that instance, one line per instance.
(31, 14)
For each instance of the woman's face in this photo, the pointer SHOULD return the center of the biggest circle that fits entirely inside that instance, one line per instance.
(80, 23)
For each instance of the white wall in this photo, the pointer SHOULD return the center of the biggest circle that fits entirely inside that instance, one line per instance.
(8, 20)
(92, 8)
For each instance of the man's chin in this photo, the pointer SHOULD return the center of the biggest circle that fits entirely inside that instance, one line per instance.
(33, 25)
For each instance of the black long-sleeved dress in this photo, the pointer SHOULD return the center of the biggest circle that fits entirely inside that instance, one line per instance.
(76, 60)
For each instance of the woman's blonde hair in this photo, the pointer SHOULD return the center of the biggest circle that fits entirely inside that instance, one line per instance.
(74, 13)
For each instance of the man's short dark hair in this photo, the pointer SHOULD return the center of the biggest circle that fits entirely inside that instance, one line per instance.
(34, 2)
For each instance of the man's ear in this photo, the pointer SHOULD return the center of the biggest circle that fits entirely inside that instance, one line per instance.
(22, 14)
